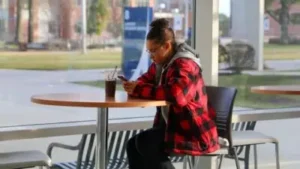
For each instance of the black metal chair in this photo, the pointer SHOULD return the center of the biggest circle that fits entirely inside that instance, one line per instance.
(221, 99)
(244, 138)
(240, 135)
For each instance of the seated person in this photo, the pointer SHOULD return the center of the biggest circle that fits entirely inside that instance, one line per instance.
(187, 125)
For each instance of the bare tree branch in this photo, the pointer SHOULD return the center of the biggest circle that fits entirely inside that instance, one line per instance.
(271, 13)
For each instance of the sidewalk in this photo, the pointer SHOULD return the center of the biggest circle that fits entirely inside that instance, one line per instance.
(265, 72)
(269, 72)
(275, 67)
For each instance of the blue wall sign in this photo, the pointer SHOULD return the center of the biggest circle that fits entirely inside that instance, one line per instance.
(135, 59)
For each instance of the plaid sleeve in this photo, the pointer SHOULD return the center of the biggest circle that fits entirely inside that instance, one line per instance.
(146, 78)
(149, 76)
(178, 90)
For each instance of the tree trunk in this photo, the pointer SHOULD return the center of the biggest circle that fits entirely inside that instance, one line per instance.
(66, 9)
(19, 16)
(21, 30)
(33, 9)
(30, 21)
(284, 19)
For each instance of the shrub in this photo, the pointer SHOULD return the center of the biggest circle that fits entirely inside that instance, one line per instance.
(241, 55)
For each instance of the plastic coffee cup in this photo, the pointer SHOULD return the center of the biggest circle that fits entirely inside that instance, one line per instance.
(110, 88)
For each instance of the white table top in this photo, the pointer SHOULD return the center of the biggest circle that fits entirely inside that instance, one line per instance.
(277, 89)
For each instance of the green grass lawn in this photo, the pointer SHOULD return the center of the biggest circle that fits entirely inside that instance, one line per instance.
(95, 59)
(281, 52)
(247, 99)
(244, 97)
(35, 60)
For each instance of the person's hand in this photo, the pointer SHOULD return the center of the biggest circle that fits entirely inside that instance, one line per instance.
(129, 86)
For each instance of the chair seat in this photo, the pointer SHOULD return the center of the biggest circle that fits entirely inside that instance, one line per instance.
(251, 137)
(222, 150)
(23, 159)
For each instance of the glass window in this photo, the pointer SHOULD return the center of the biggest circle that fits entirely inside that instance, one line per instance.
(50, 45)
(258, 49)
(42, 53)
(240, 48)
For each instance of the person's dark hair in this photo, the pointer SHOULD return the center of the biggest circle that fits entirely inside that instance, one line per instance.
(161, 32)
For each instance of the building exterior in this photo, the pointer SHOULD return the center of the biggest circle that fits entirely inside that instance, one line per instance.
(134, 3)
(52, 19)
(57, 19)
(173, 10)
(272, 27)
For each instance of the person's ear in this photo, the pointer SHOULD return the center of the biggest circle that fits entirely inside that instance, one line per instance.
(168, 45)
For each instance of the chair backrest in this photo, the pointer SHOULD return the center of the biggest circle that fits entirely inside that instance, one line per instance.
(116, 149)
(85, 158)
(243, 126)
(221, 99)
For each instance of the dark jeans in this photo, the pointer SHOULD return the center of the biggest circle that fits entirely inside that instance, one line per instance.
(146, 150)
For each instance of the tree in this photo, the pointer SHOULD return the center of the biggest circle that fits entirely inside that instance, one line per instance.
(97, 16)
(21, 39)
(115, 22)
(224, 23)
(282, 16)
(33, 7)
(19, 18)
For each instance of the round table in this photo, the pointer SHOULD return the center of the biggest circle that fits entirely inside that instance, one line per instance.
(277, 89)
(102, 104)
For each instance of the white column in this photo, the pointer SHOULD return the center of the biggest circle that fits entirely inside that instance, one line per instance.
(206, 32)
(248, 24)
(83, 30)
(239, 26)
(205, 41)
(257, 30)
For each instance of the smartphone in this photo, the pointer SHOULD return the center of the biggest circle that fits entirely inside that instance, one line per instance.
(122, 78)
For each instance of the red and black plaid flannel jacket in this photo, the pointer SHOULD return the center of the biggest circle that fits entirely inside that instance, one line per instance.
(190, 127)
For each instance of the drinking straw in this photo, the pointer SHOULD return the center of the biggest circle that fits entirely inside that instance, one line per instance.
(114, 72)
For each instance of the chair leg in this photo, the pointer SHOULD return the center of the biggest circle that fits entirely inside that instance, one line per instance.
(255, 156)
(247, 156)
(277, 155)
(220, 161)
(237, 162)
(190, 162)
(185, 158)
(195, 162)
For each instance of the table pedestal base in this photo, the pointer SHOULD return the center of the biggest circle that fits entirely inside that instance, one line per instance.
(101, 134)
